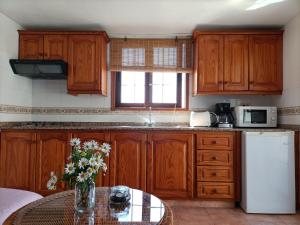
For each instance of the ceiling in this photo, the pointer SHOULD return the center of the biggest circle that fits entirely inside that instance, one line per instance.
(148, 17)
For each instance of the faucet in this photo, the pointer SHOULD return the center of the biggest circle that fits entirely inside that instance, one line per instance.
(149, 122)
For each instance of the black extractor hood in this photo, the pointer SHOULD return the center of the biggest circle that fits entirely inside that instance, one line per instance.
(40, 69)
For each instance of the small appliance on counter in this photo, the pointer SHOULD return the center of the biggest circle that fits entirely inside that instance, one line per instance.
(255, 116)
(225, 117)
(202, 119)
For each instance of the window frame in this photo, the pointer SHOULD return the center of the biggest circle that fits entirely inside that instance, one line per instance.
(116, 94)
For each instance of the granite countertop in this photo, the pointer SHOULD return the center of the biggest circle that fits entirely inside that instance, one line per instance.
(125, 126)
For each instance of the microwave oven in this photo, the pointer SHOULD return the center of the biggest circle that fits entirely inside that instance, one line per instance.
(255, 116)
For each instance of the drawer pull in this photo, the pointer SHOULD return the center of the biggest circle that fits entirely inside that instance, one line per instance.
(214, 142)
(214, 191)
(214, 158)
(214, 174)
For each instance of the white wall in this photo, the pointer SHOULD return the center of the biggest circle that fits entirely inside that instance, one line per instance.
(54, 94)
(14, 90)
(291, 72)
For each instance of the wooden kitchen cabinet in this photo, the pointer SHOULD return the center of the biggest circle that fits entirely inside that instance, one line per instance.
(56, 47)
(265, 54)
(218, 166)
(170, 165)
(209, 63)
(100, 137)
(237, 62)
(52, 151)
(84, 52)
(31, 46)
(87, 64)
(128, 159)
(17, 158)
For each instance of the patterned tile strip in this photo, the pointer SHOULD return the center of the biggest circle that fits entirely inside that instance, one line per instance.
(14, 109)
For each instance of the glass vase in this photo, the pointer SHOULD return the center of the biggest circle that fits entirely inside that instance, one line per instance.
(84, 196)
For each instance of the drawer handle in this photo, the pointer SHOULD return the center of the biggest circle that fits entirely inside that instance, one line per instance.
(214, 174)
(214, 142)
(214, 191)
(214, 158)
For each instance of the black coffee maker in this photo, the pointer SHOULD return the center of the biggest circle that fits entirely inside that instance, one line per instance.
(224, 113)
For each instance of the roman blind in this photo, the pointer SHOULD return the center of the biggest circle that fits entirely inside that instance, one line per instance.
(150, 55)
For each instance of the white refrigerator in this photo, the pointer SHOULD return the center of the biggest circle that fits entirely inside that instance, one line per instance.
(268, 172)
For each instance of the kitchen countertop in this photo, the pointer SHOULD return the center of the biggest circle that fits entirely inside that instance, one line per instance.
(125, 126)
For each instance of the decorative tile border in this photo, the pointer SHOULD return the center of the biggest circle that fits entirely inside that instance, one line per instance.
(13, 109)
(287, 111)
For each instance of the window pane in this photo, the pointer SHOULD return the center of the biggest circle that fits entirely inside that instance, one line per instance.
(164, 87)
(132, 87)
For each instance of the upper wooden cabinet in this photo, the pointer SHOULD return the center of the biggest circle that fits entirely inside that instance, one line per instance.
(209, 63)
(265, 54)
(31, 46)
(52, 151)
(170, 165)
(84, 52)
(237, 62)
(87, 56)
(128, 159)
(18, 154)
(56, 47)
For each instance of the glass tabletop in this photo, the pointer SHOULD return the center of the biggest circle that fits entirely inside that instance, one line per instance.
(143, 208)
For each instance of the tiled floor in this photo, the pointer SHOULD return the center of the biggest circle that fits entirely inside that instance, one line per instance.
(184, 215)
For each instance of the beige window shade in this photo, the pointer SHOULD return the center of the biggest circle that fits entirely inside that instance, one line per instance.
(170, 55)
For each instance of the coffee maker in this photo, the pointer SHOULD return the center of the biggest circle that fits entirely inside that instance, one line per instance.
(224, 113)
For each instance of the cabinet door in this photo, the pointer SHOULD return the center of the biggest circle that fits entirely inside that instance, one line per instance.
(84, 64)
(52, 151)
(31, 46)
(17, 160)
(265, 62)
(236, 63)
(170, 165)
(100, 137)
(209, 63)
(56, 47)
(128, 159)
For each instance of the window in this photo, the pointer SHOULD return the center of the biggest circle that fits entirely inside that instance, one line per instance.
(156, 89)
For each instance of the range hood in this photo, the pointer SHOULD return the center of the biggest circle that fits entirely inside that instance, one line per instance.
(40, 69)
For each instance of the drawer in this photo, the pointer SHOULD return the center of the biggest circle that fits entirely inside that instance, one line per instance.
(209, 190)
(215, 158)
(214, 173)
(215, 140)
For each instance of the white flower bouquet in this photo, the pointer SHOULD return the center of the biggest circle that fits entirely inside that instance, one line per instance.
(83, 164)
(81, 170)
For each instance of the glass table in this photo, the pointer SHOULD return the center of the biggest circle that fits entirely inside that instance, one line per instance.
(58, 209)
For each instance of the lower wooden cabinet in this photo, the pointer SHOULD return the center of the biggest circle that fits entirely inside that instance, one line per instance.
(100, 137)
(18, 154)
(52, 151)
(216, 164)
(170, 165)
(128, 159)
(167, 164)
